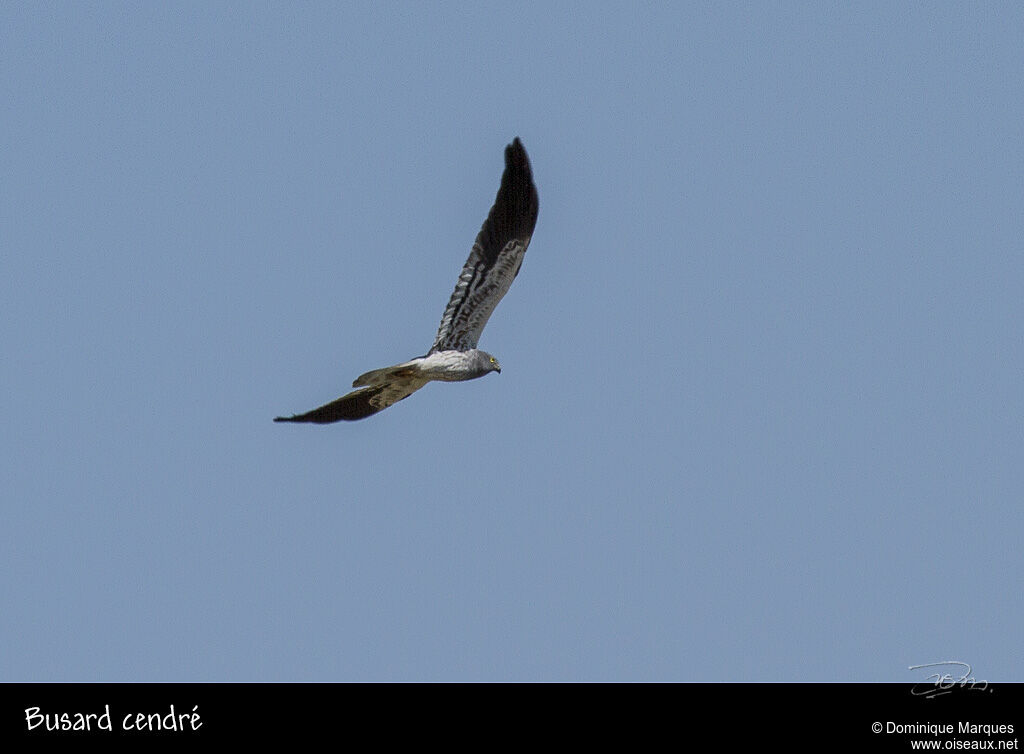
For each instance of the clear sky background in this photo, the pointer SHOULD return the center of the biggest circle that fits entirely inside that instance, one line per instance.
(761, 413)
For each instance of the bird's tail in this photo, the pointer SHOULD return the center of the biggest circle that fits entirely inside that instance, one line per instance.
(386, 375)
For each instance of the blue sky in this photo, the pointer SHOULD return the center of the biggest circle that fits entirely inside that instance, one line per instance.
(761, 412)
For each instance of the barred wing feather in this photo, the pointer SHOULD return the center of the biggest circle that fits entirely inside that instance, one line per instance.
(495, 258)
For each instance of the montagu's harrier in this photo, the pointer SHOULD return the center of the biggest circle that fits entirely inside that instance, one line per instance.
(492, 266)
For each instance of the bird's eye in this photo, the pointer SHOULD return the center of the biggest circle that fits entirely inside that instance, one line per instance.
(492, 359)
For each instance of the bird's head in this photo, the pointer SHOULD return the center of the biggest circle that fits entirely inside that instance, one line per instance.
(491, 363)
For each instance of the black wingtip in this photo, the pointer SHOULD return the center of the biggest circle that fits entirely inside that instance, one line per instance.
(515, 156)
(514, 213)
(356, 405)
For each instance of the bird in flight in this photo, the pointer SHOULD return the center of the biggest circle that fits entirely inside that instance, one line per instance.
(493, 264)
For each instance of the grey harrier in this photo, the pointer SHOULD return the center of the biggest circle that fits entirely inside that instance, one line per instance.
(492, 266)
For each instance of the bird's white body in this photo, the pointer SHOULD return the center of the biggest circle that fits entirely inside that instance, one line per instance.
(444, 366)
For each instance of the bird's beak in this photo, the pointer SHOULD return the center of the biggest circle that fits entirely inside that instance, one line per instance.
(497, 369)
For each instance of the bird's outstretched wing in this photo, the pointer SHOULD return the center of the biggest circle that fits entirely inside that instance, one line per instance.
(359, 404)
(496, 256)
